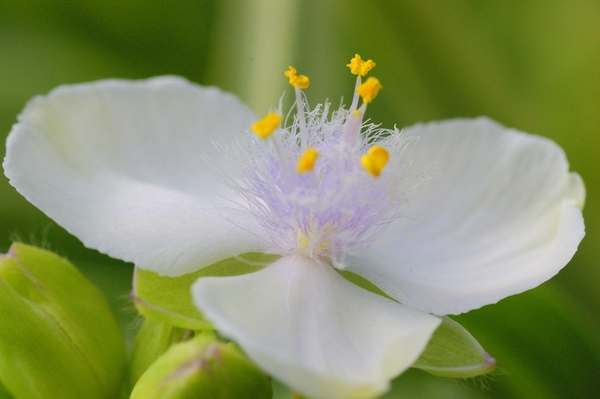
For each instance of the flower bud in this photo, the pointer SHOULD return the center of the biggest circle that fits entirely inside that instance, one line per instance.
(203, 367)
(59, 338)
(152, 340)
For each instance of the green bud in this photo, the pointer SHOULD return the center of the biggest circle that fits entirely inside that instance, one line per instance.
(4, 394)
(152, 340)
(203, 367)
(59, 338)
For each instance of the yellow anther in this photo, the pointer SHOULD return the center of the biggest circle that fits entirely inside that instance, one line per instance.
(359, 67)
(368, 90)
(267, 125)
(306, 162)
(375, 159)
(295, 80)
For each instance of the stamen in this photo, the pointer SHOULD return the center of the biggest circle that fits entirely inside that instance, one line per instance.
(266, 126)
(368, 90)
(375, 160)
(306, 162)
(301, 81)
(359, 67)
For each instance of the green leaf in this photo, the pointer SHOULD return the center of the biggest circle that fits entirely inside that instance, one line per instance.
(169, 299)
(203, 367)
(59, 338)
(453, 352)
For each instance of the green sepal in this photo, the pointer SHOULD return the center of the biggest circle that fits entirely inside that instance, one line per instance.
(453, 352)
(152, 340)
(59, 338)
(169, 299)
(362, 282)
(203, 367)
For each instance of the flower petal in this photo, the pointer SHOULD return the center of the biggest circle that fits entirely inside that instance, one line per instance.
(309, 327)
(501, 215)
(120, 165)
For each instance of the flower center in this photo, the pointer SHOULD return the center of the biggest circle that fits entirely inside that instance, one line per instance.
(324, 185)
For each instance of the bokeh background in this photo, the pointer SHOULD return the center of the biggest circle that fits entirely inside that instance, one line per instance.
(531, 65)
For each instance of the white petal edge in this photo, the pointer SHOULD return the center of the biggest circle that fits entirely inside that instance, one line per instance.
(500, 215)
(119, 164)
(310, 328)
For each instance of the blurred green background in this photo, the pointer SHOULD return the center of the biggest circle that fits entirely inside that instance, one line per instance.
(532, 65)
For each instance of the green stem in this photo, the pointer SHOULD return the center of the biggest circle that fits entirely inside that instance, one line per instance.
(255, 42)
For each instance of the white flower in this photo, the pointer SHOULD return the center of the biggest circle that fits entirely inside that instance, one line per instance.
(168, 175)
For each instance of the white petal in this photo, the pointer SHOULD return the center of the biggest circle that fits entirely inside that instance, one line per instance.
(120, 165)
(501, 215)
(307, 326)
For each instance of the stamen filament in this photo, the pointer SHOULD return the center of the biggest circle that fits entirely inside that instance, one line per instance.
(301, 118)
(354, 125)
(285, 166)
(356, 96)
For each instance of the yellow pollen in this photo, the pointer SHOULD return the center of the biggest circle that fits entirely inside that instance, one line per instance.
(301, 81)
(368, 90)
(359, 67)
(267, 125)
(306, 162)
(375, 159)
